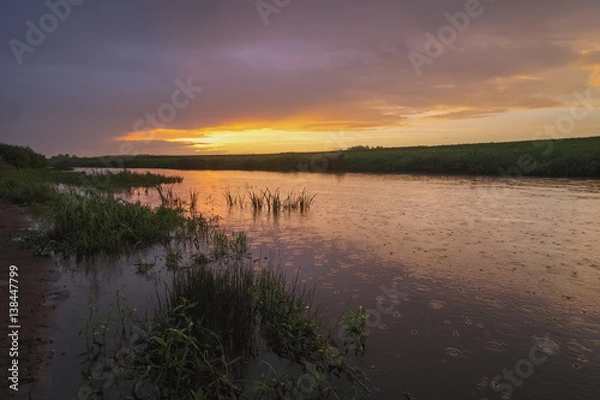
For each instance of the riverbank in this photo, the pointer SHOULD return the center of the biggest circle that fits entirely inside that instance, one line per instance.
(36, 277)
(198, 353)
(567, 158)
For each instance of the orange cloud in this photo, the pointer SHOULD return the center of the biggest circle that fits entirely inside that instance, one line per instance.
(590, 61)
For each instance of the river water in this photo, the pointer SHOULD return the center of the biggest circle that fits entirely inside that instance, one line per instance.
(475, 287)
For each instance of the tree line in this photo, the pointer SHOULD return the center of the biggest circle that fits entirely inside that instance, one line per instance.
(21, 157)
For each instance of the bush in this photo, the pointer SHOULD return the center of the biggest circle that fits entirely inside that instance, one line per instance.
(21, 156)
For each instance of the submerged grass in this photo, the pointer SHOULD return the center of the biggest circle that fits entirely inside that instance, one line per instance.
(272, 201)
(212, 322)
(90, 224)
(126, 179)
(219, 312)
(223, 301)
(28, 186)
(87, 222)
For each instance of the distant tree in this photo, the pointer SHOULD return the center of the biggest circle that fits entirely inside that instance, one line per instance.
(22, 156)
(360, 147)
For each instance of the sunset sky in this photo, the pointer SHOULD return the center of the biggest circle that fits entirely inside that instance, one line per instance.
(111, 77)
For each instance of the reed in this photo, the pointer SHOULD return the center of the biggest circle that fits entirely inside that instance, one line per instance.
(143, 267)
(230, 198)
(256, 200)
(194, 195)
(303, 201)
(220, 244)
(168, 199)
(273, 201)
(173, 259)
(211, 322)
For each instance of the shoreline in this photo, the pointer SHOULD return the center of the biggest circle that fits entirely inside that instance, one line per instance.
(342, 173)
(36, 279)
(548, 158)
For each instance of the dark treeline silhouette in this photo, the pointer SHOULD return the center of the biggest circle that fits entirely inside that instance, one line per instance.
(578, 158)
(21, 157)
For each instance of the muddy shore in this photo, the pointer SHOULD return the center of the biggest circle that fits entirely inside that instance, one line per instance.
(36, 278)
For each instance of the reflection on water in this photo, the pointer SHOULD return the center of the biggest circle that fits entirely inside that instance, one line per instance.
(485, 273)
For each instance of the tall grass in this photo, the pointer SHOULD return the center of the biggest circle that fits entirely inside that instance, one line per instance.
(272, 201)
(256, 201)
(28, 186)
(229, 198)
(217, 314)
(85, 223)
(90, 224)
(194, 195)
(212, 321)
(16, 188)
(109, 181)
(223, 302)
(248, 309)
(168, 199)
(233, 245)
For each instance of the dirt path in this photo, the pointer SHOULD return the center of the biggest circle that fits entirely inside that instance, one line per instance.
(35, 281)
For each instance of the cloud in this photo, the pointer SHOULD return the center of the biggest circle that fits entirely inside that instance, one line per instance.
(317, 67)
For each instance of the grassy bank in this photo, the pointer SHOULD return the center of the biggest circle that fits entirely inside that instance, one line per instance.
(219, 314)
(82, 220)
(547, 158)
(26, 186)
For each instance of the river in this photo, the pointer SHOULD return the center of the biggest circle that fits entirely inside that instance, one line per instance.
(475, 287)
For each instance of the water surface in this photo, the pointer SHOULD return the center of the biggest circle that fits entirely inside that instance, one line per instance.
(465, 279)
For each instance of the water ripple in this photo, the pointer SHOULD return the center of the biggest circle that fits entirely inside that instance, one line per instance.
(453, 352)
(494, 345)
(546, 345)
(437, 304)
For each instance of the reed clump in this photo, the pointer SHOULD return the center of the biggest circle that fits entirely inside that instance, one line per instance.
(272, 201)
(213, 321)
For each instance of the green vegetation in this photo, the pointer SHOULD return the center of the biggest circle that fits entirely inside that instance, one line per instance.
(550, 158)
(27, 186)
(125, 180)
(20, 157)
(213, 322)
(143, 267)
(73, 221)
(355, 331)
(271, 201)
(92, 224)
(219, 315)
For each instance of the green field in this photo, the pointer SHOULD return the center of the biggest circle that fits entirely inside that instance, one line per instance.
(578, 158)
